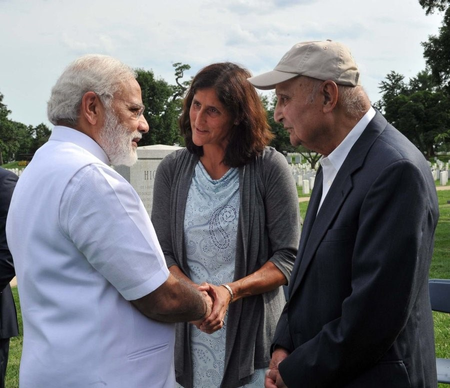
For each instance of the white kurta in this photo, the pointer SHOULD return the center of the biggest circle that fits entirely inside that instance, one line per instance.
(83, 246)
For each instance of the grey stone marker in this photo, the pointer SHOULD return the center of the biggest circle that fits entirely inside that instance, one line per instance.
(142, 174)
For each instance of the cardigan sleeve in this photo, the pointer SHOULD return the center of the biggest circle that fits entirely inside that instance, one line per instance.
(161, 219)
(282, 210)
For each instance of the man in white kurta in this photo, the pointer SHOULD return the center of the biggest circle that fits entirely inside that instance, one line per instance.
(71, 261)
(84, 247)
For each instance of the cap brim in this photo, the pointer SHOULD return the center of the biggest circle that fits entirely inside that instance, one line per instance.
(270, 79)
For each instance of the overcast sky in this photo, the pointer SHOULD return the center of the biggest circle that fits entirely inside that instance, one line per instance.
(39, 38)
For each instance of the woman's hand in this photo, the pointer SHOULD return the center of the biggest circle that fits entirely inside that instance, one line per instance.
(221, 298)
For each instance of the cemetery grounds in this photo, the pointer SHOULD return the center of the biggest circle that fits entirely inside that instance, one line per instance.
(440, 269)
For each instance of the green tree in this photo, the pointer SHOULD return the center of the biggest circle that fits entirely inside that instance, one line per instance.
(40, 134)
(17, 139)
(431, 6)
(392, 87)
(281, 140)
(419, 109)
(180, 88)
(311, 157)
(12, 134)
(19, 136)
(5, 144)
(437, 54)
(5, 128)
(163, 105)
(32, 139)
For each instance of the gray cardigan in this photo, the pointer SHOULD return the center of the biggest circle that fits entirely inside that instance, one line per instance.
(268, 230)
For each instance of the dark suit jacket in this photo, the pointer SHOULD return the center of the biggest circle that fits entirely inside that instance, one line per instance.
(8, 316)
(359, 312)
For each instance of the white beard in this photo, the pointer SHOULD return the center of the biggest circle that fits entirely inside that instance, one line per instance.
(116, 141)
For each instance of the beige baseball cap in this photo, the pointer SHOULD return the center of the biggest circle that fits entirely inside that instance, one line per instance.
(324, 60)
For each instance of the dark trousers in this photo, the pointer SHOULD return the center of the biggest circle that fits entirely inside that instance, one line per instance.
(4, 350)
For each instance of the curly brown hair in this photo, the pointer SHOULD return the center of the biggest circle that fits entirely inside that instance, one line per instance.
(251, 134)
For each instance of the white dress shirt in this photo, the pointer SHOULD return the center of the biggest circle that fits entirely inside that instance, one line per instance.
(83, 247)
(334, 161)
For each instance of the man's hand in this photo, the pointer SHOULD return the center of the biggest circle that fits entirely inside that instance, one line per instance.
(221, 298)
(273, 378)
(209, 306)
(176, 300)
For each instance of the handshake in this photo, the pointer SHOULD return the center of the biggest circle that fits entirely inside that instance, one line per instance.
(217, 299)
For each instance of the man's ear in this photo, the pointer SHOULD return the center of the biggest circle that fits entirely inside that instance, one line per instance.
(330, 94)
(91, 108)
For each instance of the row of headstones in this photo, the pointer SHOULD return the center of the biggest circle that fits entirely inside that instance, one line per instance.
(304, 177)
(16, 171)
(440, 171)
(141, 175)
(439, 164)
(293, 158)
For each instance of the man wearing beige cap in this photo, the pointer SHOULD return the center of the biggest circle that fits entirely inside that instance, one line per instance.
(358, 313)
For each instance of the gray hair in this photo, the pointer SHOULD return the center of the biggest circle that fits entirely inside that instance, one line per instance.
(96, 73)
(353, 99)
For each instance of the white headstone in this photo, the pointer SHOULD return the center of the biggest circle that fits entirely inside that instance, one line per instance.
(306, 186)
(444, 178)
(142, 174)
(434, 173)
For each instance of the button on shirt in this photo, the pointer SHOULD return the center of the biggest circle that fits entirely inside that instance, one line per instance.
(83, 247)
(333, 162)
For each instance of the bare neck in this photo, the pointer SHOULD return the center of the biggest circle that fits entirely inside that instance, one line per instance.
(212, 161)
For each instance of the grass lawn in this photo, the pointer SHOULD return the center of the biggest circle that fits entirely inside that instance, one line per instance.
(19, 165)
(440, 268)
(15, 350)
